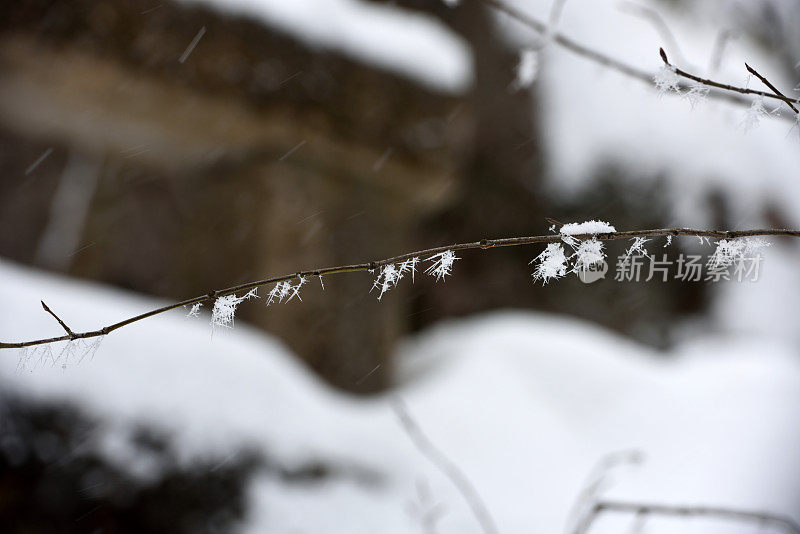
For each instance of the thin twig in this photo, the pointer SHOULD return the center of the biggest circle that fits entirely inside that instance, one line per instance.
(726, 87)
(604, 59)
(722, 91)
(658, 22)
(371, 266)
(69, 332)
(732, 514)
(775, 90)
(449, 468)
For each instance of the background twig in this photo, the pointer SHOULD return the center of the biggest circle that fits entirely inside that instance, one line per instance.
(447, 466)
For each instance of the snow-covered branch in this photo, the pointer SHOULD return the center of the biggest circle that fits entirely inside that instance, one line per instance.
(731, 514)
(442, 258)
(775, 94)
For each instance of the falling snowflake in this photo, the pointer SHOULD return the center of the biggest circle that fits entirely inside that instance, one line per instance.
(442, 264)
(552, 263)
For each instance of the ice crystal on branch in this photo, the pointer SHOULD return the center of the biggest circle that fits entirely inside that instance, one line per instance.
(697, 94)
(666, 80)
(225, 308)
(442, 264)
(590, 252)
(195, 311)
(736, 250)
(754, 114)
(552, 263)
(390, 275)
(285, 290)
(637, 248)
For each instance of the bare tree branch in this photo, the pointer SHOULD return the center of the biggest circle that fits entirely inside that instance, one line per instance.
(371, 266)
(69, 332)
(449, 468)
(775, 90)
(731, 514)
(743, 90)
(722, 91)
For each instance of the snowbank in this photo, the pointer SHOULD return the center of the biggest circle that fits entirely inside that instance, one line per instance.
(524, 403)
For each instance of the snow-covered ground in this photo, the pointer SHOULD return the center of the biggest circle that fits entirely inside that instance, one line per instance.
(526, 404)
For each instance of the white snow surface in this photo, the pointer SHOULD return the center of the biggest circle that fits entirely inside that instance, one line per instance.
(524, 403)
(402, 41)
(587, 227)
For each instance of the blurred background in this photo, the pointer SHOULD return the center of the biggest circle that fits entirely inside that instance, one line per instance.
(154, 150)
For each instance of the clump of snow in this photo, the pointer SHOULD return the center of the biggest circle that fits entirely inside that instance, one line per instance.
(729, 251)
(589, 252)
(588, 227)
(526, 70)
(667, 80)
(225, 308)
(401, 40)
(546, 397)
(286, 290)
(442, 264)
(390, 275)
(552, 263)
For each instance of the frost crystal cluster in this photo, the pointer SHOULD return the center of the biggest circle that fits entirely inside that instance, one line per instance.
(589, 253)
(754, 114)
(638, 248)
(285, 290)
(552, 263)
(736, 250)
(442, 264)
(195, 311)
(390, 275)
(666, 80)
(696, 94)
(225, 308)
